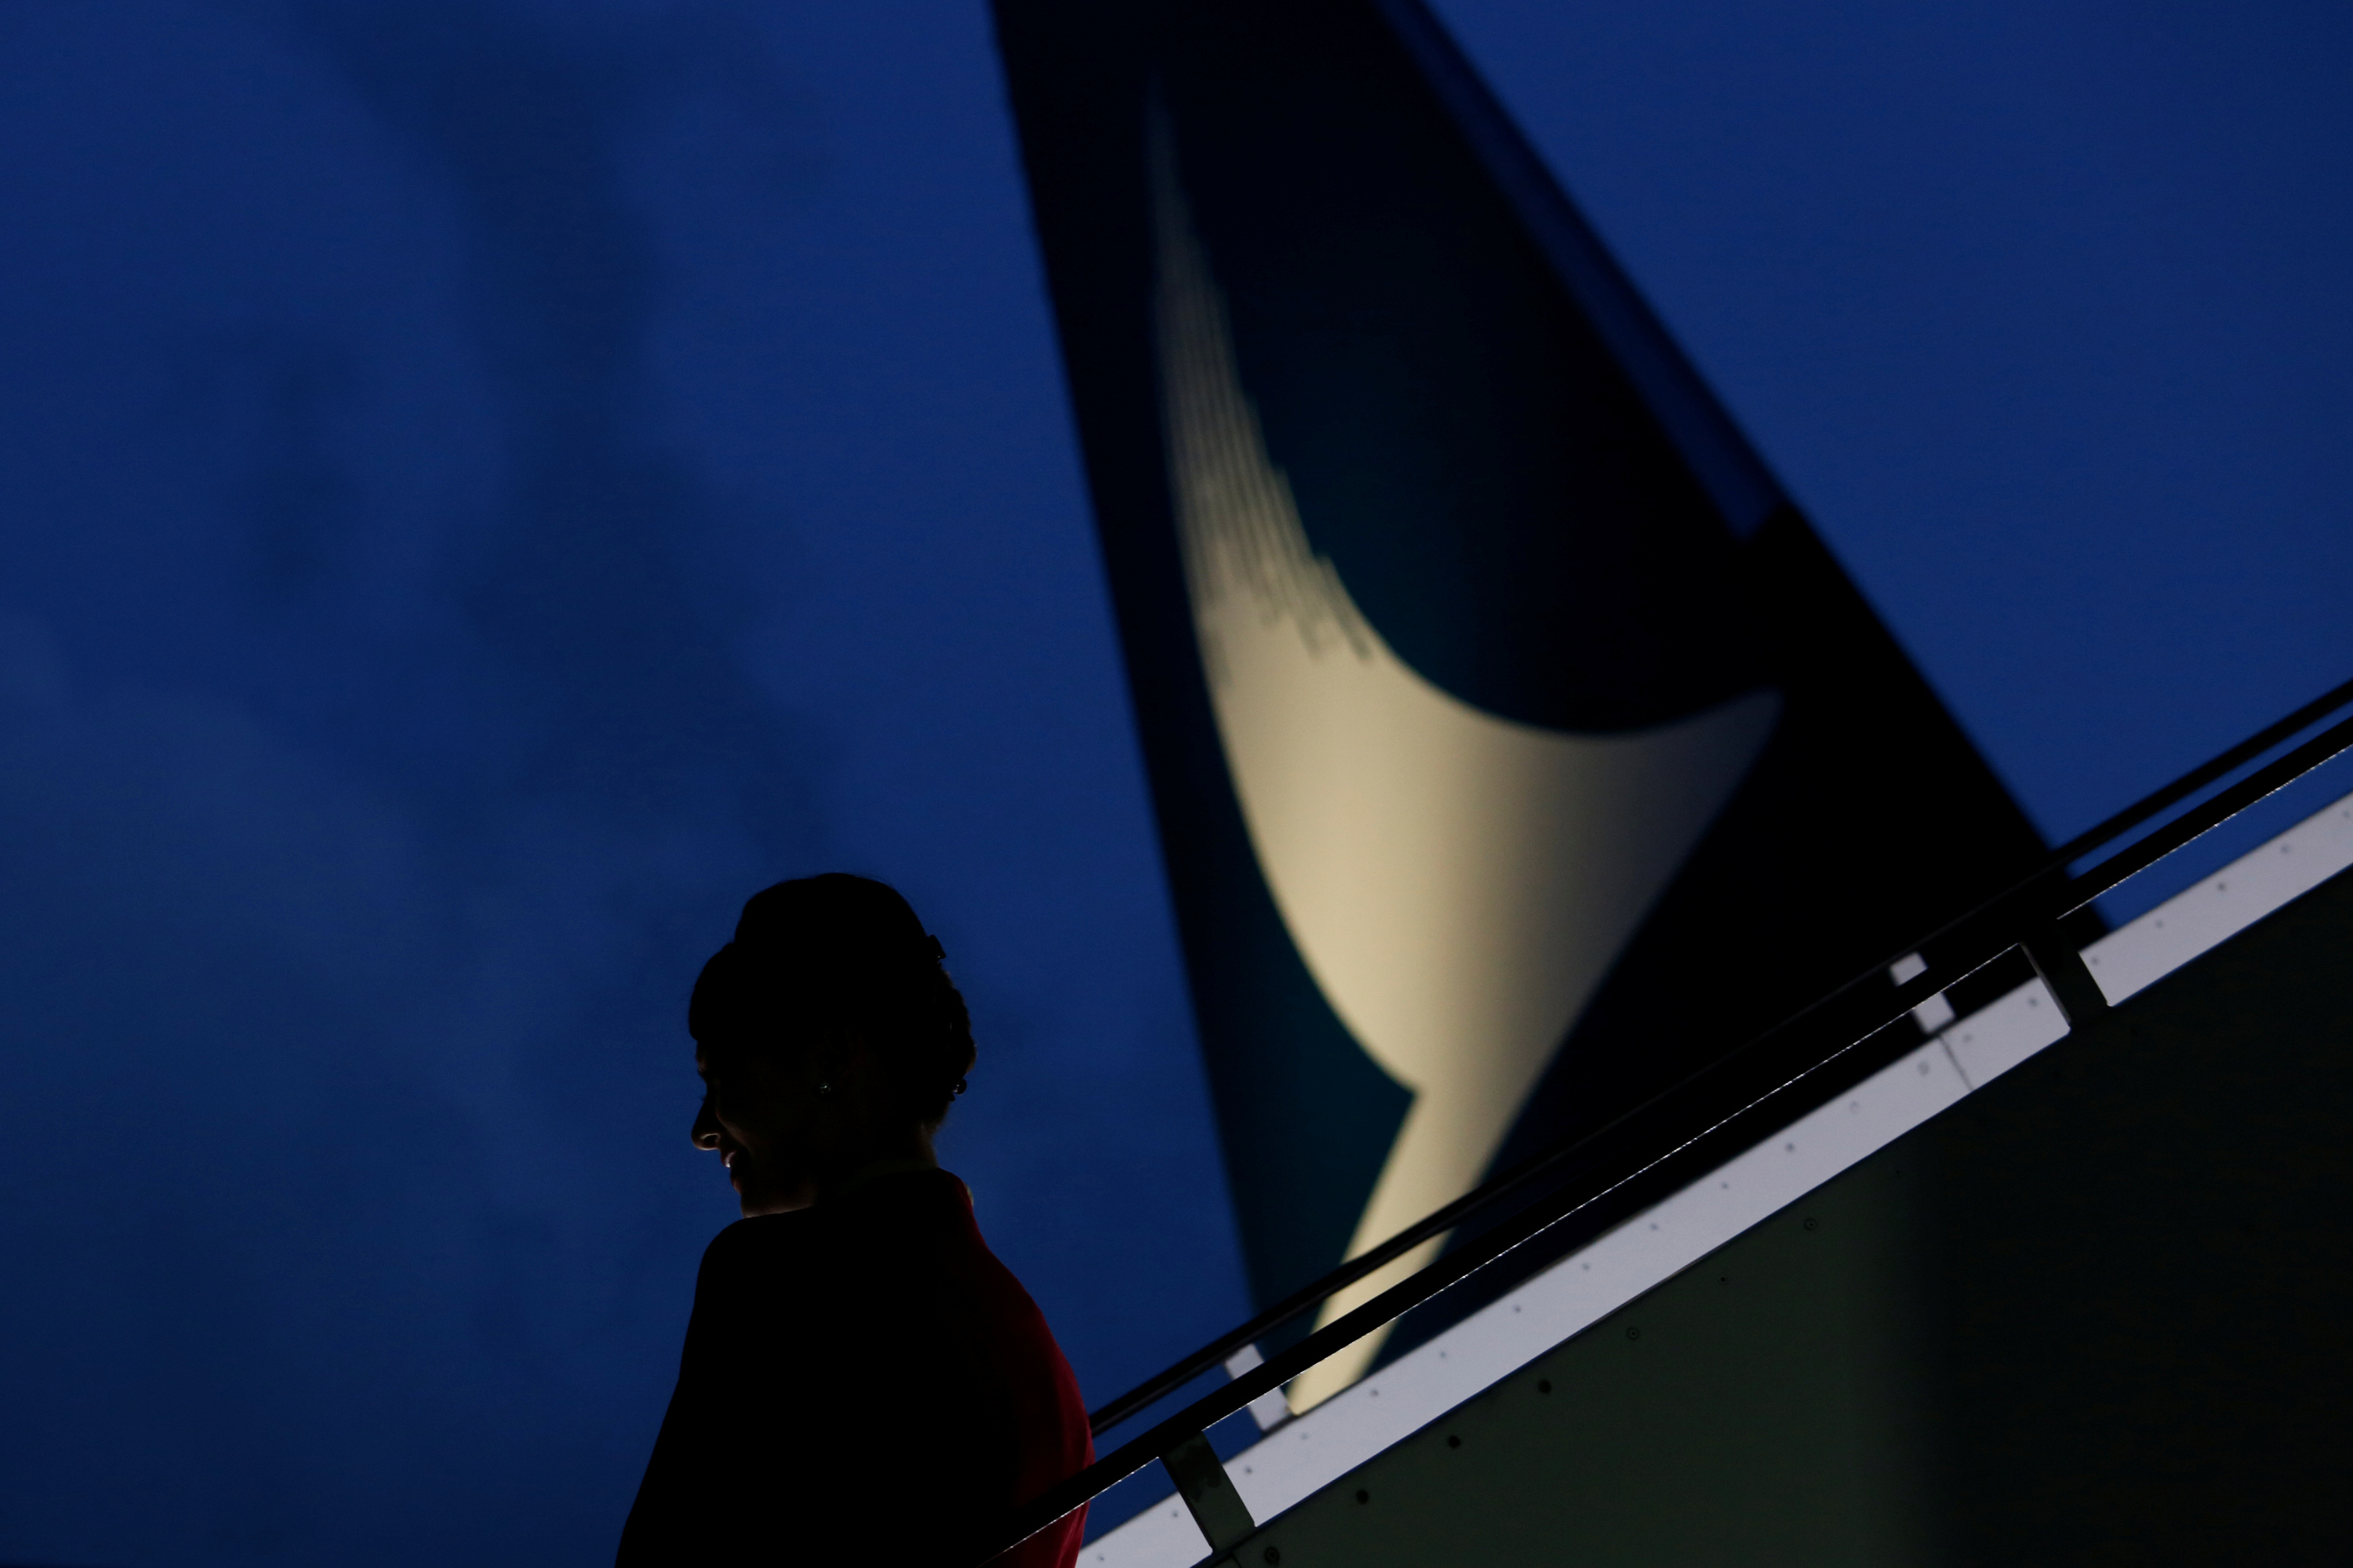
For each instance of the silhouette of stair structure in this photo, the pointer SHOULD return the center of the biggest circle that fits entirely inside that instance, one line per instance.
(2051, 1263)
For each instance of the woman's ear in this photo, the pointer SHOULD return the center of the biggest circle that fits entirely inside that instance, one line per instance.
(835, 1062)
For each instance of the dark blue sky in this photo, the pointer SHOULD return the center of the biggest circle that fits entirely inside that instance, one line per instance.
(488, 485)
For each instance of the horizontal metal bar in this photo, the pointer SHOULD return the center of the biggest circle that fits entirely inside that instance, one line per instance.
(2138, 856)
(2206, 772)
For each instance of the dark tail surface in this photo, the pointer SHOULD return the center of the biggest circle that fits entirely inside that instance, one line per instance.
(1516, 745)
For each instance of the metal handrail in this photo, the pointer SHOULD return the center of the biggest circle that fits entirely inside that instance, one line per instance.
(1613, 1170)
(2206, 772)
(1213, 1354)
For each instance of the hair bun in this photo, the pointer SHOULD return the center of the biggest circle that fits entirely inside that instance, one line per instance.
(841, 953)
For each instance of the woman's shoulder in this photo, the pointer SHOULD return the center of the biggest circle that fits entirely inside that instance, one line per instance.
(923, 1208)
(754, 1245)
(913, 1223)
(889, 1212)
(889, 1183)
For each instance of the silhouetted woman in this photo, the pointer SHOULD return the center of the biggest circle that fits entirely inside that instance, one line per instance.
(863, 1382)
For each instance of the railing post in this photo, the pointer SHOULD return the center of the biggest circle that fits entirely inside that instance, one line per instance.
(1201, 1481)
(2062, 969)
(1269, 1409)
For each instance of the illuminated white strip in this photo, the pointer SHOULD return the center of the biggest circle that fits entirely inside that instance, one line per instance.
(2136, 955)
(1316, 1448)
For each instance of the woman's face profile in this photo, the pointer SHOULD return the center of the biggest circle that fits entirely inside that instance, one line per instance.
(759, 1119)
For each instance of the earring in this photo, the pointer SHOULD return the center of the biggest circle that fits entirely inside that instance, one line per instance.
(957, 1092)
(825, 1088)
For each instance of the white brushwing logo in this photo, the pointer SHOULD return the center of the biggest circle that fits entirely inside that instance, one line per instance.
(1457, 883)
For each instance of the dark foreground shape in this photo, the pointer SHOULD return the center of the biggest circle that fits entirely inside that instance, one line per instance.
(2095, 1313)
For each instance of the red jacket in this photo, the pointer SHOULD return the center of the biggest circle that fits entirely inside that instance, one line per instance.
(864, 1382)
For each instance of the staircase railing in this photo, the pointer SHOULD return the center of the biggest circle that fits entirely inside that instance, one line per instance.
(1583, 1186)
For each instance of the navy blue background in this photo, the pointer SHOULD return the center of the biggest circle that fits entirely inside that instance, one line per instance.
(483, 486)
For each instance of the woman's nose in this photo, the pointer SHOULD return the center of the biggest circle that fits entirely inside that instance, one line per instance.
(705, 1132)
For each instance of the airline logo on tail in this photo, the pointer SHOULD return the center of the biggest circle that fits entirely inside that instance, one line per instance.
(1516, 746)
(1457, 882)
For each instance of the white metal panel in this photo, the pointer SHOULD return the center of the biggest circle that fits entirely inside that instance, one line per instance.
(2206, 916)
(2004, 1033)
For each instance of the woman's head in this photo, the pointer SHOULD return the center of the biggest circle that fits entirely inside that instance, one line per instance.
(828, 1036)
